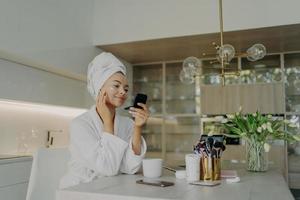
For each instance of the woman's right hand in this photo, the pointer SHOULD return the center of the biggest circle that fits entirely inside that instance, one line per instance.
(106, 113)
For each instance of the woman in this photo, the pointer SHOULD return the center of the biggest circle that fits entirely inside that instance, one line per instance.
(103, 143)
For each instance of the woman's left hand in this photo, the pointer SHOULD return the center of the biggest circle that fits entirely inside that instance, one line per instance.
(140, 114)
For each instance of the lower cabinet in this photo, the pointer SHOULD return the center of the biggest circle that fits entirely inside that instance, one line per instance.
(14, 192)
(14, 178)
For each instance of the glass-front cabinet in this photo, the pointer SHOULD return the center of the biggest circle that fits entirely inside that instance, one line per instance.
(211, 72)
(294, 154)
(147, 79)
(177, 109)
(181, 134)
(266, 70)
(292, 103)
(292, 82)
(152, 133)
(180, 98)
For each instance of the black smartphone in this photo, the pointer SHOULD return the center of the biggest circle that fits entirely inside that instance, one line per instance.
(158, 183)
(139, 98)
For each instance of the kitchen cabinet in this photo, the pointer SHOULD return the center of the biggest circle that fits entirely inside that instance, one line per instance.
(24, 83)
(14, 177)
(269, 85)
(259, 87)
(168, 134)
(263, 97)
(292, 103)
(148, 80)
(179, 98)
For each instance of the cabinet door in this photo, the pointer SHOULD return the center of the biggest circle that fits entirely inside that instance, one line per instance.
(180, 98)
(266, 98)
(152, 133)
(14, 177)
(22, 83)
(14, 172)
(14, 192)
(147, 79)
(294, 154)
(266, 70)
(292, 83)
(211, 72)
(181, 134)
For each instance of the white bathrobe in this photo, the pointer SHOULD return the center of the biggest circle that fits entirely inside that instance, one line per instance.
(96, 153)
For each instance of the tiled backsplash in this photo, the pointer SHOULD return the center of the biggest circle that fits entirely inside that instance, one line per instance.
(24, 126)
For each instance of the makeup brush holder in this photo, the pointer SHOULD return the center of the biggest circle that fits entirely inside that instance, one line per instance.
(210, 168)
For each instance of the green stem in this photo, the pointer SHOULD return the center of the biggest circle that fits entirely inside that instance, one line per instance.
(256, 156)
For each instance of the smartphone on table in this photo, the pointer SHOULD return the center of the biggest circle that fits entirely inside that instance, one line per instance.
(139, 98)
(158, 183)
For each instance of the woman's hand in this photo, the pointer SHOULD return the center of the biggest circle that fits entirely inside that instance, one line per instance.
(106, 112)
(140, 114)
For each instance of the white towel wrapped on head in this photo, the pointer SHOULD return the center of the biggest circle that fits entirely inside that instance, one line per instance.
(100, 69)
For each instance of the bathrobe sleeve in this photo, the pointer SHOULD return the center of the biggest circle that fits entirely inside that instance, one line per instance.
(131, 163)
(102, 154)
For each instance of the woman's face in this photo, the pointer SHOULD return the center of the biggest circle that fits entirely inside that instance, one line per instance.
(116, 88)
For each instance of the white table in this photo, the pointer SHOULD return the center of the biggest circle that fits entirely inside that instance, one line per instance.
(257, 186)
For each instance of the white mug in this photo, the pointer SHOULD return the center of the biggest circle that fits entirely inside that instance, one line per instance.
(192, 163)
(152, 167)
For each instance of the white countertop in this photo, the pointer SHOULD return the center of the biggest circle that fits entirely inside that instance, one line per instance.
(253, 186)
(5, 158)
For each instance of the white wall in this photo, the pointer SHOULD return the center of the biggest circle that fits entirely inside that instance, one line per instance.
(55, 32)
(118, 21)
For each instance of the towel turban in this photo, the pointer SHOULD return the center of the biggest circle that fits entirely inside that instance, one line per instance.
(100, 69)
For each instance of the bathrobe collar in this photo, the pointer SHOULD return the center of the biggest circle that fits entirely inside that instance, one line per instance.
(97, 120)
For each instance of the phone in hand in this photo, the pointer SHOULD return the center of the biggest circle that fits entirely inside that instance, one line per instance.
(158, 183)
(139, 98)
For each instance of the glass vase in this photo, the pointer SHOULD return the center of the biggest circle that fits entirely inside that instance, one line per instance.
(257, 157)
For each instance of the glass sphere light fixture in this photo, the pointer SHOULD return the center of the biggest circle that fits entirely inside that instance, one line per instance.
(256, 52)
(192, 66)
(225, 52)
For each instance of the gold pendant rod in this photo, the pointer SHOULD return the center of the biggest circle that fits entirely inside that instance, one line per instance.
(221, 21)
(221, 38)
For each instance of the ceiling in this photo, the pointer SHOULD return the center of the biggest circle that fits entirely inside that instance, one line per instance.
(276, 39)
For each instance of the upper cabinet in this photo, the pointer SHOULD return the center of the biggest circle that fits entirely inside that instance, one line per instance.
(23, 83)
(261, 86)
(180, 18)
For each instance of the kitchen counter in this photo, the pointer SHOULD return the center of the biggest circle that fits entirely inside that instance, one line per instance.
(5, 158)
(14, 176)
(253, 186)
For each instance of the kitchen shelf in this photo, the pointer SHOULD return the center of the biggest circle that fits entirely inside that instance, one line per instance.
(148, 82)
(152, 133)
(292, 113)
(186, 99)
